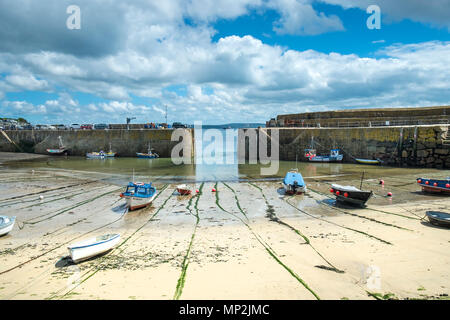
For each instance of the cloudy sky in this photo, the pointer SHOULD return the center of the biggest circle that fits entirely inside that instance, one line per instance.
(218, 61)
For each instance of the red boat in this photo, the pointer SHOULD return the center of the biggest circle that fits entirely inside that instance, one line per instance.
(183, 190)
(435, 185)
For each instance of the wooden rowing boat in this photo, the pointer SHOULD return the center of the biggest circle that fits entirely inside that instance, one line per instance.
(86, 249)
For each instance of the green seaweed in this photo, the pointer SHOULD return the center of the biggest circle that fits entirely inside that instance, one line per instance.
(182, 278)
(269, 250)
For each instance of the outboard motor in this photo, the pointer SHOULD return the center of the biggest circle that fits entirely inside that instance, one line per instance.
(295, 186)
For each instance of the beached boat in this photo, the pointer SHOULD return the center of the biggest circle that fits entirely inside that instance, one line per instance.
(92, 247)
(439, 218)
(350, 194)
(334, 156)
(435, 185)
(139, 195)
(149, 155)
(369, 161)
(6, 224)
(59, 151)
(293, 182)
(183, 189)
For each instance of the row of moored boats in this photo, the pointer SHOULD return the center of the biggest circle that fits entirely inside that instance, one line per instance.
(294, 183)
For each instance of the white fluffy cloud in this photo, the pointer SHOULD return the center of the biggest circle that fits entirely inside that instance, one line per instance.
(434, 12)
(298, 17)
(148, 46)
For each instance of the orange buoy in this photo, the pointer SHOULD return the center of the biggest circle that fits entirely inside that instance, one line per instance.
(338, 193)
(332, 190)
(389, 194)
(346, 195)
(427, 182)
(381, 181)
(419, 181)
(213, 190)
(196, 191)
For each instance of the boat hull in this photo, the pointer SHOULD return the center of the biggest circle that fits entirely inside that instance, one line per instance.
(368, 161)
(439, 218)
(293, 183)
(83, 251)
(57, 152)
(146, 156)
(184, 192)
(326, 159)
(291, 189)
(95, 156)
(5, 228)
(353, 197)
(435, 185)
(134, 203)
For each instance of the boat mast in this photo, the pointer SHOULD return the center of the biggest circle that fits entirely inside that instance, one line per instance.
(362, 178)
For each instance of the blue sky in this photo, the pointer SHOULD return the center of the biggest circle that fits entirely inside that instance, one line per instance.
(219, 61)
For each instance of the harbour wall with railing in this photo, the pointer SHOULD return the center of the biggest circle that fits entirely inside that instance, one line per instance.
(125, 142)
(421, 146)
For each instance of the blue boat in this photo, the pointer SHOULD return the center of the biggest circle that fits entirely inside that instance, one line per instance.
(293, 182)
(139, 195)
(149, 155)
(435, 185)
(333, 157)
(439, 218)
(96, 155)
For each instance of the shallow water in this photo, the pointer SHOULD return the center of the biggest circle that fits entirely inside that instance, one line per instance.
(210, 164)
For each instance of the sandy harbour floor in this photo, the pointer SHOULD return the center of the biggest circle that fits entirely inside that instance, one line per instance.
(245, 241)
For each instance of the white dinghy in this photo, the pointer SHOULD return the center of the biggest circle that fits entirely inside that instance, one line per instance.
(6, 224)
(92, 247)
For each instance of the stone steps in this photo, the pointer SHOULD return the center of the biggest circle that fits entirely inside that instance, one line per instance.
(446, 141)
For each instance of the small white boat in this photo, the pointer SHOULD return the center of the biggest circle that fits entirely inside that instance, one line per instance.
(92, 247)
(6, 224)
(183, 189)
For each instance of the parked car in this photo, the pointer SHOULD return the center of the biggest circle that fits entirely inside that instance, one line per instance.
(75, 126)
(101, 126)
(86, 126)
(61, 127)
(177, 125)
(27, 127)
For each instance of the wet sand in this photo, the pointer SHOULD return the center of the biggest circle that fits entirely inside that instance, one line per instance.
(17, 156)
(245, 241)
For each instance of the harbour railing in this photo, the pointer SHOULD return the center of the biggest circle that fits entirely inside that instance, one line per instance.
(360, 123)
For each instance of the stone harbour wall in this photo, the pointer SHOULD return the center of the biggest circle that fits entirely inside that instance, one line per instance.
(125, 142)
(421, 146)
